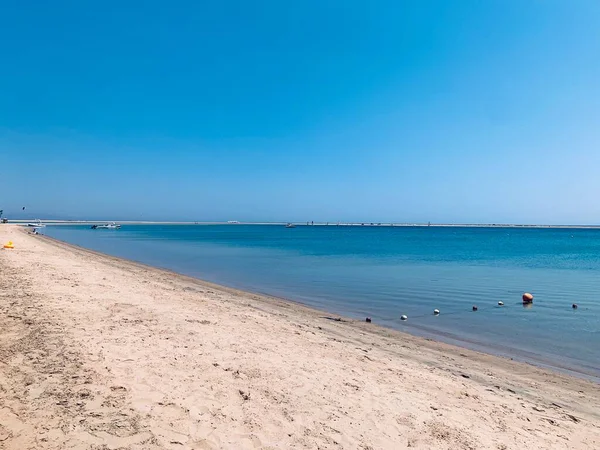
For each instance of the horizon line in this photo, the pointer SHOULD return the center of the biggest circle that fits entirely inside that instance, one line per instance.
(306, 223)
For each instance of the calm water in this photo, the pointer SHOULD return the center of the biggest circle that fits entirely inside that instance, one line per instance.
(387, 272)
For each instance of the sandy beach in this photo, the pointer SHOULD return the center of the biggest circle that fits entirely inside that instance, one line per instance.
(102, 353)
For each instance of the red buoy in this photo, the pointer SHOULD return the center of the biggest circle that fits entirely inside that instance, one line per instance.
(527, 298)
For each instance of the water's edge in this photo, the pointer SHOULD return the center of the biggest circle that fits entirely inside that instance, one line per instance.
(436, 335)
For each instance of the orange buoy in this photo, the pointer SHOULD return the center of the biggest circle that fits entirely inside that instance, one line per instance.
(9, 245)
(527, 298)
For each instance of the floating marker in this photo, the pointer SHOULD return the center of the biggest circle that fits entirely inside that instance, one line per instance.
(501, 303)
(527, 298)
(436, 311)
(403, 317)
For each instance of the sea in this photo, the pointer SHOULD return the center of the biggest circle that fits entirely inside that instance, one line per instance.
(387, 272)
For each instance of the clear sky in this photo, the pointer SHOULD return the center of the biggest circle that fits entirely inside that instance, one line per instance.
(442, 111)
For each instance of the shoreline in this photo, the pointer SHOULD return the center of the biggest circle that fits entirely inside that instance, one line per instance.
(317, 224)
(286, 303)
(303, 379)
(454, 340)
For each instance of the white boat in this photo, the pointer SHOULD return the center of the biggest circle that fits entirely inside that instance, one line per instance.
(37, 224)
(108, 226)
(290, 225)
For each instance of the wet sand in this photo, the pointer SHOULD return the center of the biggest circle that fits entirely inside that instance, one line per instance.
(98, 352)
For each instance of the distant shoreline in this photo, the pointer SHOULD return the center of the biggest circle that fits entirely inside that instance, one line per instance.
(320, 224)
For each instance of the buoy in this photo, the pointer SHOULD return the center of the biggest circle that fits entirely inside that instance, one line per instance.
(574, 305)
(527, 298)
(368, 319)
(436, 311)
(500, 303)
(474, 308)
(403, 317)
(9, 245)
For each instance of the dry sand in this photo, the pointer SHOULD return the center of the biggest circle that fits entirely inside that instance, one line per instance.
(101, 353)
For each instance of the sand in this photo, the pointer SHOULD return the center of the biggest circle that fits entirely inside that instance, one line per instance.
(102, 353)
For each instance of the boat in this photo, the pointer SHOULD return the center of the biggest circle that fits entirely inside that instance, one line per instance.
(107, 226)
(110, 226)
(290, 225)
(37, 224)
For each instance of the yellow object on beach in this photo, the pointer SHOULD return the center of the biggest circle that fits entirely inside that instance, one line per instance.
(9, 245)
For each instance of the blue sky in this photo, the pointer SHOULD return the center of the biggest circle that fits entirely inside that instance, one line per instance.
(465, 111)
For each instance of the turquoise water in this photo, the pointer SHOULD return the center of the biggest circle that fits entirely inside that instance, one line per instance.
(384, 272)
